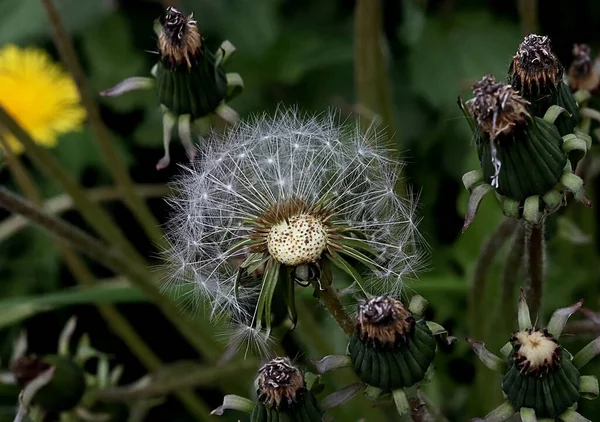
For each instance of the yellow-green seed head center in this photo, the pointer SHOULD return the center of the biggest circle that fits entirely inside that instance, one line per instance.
(299, 240)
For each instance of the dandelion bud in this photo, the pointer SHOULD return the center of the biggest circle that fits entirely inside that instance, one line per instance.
(537, 75)
(390, 349)
(539, 375)
(282, 394)
(523, 157)
(65, 389)
(583, 73)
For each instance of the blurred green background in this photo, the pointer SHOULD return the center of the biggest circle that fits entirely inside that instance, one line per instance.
(302, 52)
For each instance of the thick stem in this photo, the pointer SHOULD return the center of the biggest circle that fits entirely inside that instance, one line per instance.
(507, 311)
(331, 300)
(134, 201)
(372, 83)
(534, 251)
(483, 266)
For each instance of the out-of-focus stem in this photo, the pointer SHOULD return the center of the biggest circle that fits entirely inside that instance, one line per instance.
(134, 201)
(61, 203)
(84, 277)
(373, 88)
(487, 255)
(534, 249)
(195, 333)
(94, 215)
(528, 12)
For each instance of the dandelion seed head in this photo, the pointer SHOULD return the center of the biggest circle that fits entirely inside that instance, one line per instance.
(335, 173)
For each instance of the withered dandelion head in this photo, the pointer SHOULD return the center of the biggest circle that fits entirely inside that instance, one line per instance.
(497, 107)
(535, 68)
(179, 40)
(39, 95)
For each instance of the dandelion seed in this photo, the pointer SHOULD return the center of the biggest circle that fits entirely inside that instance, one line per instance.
(244, 232)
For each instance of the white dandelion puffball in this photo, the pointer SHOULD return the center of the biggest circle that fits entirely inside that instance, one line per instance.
(291, 188)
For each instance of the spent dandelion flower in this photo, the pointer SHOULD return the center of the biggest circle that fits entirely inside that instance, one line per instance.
(279, 201)
(523, 157)
(38, 94)
(391, 350)
(284, 392)
(190, 81)
(541, 379)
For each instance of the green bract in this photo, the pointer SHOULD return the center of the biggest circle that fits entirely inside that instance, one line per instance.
(391, 351)
(399, 363)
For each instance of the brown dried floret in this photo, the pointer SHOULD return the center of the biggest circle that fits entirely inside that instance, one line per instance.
(497, 107)
(384, 319)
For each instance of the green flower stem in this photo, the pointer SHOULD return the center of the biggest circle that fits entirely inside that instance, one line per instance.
(507, 312)
(487, 255)
(486, 391)
(330, 299)
(134, 201)
(62, 203)
(84, 277)
(194, 332)
(534, 248)
(373, 88)
(528, 12)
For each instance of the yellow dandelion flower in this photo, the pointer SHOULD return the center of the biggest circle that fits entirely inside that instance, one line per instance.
(38, 94)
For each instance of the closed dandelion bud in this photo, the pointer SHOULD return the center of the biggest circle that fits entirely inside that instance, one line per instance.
(65, 389)
(283, 396)
(523, 157)
(188, 77)
(541, 379)
(390, 349)
(537, 75)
